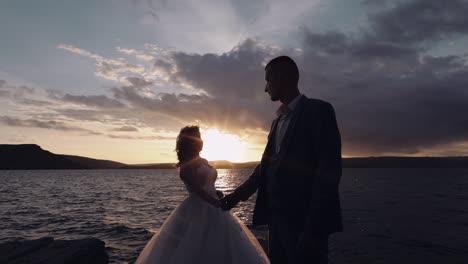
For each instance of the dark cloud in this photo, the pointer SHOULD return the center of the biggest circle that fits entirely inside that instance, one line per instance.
(2, 83)
(163, 66)
(227, 113)
(390, 95)
(238, 73)
(417, 21)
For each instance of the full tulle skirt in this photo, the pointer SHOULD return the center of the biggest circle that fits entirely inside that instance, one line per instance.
(197, 232)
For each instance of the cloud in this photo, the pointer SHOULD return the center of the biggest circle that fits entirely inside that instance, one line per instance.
(33, 102)
(126, 129)
(4, 93)
(110, 69)
(216, 26)
(23, 89)
(238, 73)
(100, 101)
(228, 113)
(84, 115)
(62, 126)
(14, 91)
(140, 137)
(391, 96)
(387, 90)
(141, 55)
(413, 22)
(56, 125)
(138, 82)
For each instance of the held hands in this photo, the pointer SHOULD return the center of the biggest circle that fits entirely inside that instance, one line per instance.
(220, 194)
(229, 201)
(216, 202)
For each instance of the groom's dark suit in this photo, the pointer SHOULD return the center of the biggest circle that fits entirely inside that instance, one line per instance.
(298, 186)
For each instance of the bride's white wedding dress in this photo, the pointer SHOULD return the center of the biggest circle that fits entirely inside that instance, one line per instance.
(198, 232)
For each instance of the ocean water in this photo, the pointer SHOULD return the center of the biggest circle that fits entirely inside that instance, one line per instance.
(390, 215)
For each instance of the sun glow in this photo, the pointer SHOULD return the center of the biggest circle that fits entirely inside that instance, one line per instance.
(220, 146)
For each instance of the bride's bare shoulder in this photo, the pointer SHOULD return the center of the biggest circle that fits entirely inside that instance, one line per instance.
(195, 168)
(205, 169)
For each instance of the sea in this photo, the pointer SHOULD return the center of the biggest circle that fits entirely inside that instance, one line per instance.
(390, 215)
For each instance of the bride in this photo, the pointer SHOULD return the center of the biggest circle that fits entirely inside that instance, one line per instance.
(198, 230)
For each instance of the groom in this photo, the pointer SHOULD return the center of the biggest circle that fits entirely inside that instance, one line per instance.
(298, 176)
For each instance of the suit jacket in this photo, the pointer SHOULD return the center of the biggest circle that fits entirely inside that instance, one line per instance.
(307, 172)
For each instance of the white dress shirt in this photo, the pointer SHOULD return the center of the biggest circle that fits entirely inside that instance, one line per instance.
(284, 114)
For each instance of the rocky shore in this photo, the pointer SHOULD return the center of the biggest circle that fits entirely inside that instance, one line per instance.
(48, 250)
(89, 250)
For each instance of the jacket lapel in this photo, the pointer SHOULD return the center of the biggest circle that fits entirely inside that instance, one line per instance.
(292, 125)
(273, 129)
(271, 137)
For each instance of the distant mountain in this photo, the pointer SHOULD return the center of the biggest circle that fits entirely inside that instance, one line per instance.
(224, 164)
(154, 166)
(94, 163)
(33, 157)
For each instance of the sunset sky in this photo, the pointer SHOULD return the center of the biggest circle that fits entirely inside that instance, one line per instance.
(118, 79)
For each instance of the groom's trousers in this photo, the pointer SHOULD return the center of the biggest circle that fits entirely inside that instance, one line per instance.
(283, 238)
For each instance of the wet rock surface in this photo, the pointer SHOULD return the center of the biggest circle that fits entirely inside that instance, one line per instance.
(48, 250)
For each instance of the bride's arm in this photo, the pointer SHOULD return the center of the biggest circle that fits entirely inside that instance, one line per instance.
(195, 181)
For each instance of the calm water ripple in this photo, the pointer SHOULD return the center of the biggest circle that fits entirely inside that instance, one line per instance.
(389, 214)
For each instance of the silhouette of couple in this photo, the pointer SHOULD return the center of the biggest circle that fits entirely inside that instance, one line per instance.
(297, 183)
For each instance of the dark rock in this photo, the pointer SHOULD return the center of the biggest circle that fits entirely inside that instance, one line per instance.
(48, 250)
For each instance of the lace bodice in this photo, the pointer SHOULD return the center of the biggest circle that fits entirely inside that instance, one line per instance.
(205, 177)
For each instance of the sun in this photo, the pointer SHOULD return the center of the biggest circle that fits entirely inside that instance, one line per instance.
(221, 146)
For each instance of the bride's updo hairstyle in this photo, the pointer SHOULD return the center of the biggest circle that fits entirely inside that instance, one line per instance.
(189, 143)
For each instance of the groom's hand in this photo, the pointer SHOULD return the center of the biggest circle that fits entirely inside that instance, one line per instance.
(229, 201)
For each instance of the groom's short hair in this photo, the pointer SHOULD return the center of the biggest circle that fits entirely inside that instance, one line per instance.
(286, 66)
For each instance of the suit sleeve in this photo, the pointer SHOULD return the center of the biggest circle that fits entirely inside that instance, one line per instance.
(250, 186)
(327, 146)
